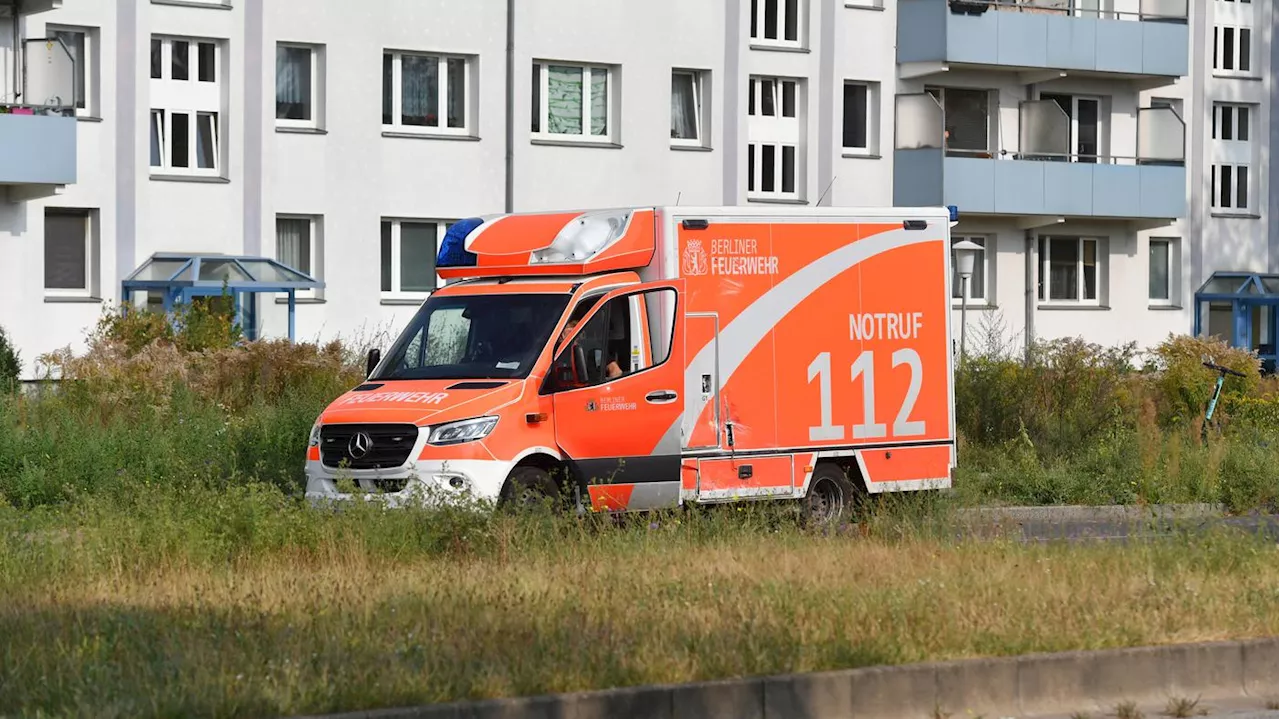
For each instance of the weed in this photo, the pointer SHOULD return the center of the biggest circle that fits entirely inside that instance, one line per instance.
(1128, 710)
(1183, 708)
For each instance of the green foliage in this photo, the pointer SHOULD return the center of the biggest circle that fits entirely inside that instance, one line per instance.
(10, 364)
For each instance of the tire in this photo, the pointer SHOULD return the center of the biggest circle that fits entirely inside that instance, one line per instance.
(831, 497)
(529, 488)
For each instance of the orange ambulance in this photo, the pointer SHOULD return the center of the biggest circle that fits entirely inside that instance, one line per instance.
(641, 358)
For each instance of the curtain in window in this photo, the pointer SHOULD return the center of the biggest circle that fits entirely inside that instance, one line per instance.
(293, 83)
(420, 90)
(417, 256)
(683, 107)
(564, 100)
(293, 243)
(965, 115)
(1064, 258)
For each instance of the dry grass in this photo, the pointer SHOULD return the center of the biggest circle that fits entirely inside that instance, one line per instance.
(344, 623)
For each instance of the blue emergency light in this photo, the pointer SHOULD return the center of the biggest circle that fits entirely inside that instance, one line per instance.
(955, 213)
(453, 251)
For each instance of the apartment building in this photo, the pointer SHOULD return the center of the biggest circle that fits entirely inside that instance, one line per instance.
(1111, 156)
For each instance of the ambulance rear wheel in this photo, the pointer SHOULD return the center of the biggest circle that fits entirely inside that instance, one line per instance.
(830, 497)
(530, 487)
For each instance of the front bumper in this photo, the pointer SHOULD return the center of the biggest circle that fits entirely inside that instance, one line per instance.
(424, 483)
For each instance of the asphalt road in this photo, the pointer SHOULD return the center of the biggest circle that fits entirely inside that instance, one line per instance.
(1106, 524)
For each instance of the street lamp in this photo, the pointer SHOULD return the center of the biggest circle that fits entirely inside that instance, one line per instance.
(966, 254)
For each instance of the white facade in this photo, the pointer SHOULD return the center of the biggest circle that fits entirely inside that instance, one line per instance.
(268, 131)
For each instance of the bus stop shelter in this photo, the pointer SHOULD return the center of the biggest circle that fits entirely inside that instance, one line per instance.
(181, 277)
(1245, 300)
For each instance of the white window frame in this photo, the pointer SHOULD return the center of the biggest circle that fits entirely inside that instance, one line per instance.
(86, 69)
(1101, 157)
(1215, 188)
(759, 10)
(315, 246)
(316, 55)
(442, 89)
(985, 260)
(699, 80)
(1172, 272)
(1219, 50)
(395, 293)
(192, 97)
(1234, 154)
(1099, 247)
(610, 116)
(1228, 114)
(872, 90)
(90, 256)
(778, 130)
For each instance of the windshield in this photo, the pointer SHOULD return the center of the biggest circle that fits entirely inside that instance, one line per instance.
(474, 337)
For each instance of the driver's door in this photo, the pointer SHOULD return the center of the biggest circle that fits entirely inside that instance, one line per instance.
(621, 432)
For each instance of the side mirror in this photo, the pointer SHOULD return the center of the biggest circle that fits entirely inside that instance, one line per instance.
(371, 363)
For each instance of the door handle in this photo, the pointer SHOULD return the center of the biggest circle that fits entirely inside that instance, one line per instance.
(660, 396)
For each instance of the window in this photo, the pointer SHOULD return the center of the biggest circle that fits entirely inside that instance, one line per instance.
(1231, 122)
(1233, 50)
(572, 102)
(859, 127)
(426, 93)
(613, 342)
(186, 106)
(79, 44)
(774, 138)
(1161, 270)
(298, 245)
(687, 100)
(1069, 268)
(409, 249)
(1229, 187)
(978, 280)
(965, 120)
(1230, 176)
(68, 253)
(1084, 115)
(297, 86)
(776, 21)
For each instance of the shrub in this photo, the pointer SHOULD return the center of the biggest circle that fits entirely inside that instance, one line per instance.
(10, 364)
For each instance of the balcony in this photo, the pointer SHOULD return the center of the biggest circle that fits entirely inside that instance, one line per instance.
(38, 134)
(1068, 36)
(1048, 174)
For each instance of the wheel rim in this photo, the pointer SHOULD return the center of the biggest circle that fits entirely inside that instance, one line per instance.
(825, 500)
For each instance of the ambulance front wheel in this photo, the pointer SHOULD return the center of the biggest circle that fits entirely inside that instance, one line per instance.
(528, 487)
(831, 495)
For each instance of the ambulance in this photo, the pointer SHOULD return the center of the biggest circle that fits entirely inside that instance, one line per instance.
(642, 358)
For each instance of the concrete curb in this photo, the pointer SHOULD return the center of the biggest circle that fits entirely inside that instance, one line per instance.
(1013, 686)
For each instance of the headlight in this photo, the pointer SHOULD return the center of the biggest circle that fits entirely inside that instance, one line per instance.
(314, 440)
(466, 430)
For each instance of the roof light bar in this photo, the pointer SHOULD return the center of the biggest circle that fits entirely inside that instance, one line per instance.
(453, 249)
(582, 238)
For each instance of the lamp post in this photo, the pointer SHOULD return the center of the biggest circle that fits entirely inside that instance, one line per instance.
(966, 253)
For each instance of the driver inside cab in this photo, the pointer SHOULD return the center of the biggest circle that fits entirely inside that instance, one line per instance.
(611, 369)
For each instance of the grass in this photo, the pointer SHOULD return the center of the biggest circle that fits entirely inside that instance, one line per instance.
(240, 602)
(1184, 708)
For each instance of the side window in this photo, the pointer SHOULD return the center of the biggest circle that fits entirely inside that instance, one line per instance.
(627, 335)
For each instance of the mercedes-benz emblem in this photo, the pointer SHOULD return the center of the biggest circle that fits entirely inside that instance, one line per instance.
(359, 445)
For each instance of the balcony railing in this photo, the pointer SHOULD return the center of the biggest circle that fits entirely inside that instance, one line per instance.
(1044, 134)
(1147, 10)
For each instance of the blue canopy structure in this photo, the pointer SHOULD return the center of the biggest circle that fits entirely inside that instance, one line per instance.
(180, 277)
(1251, 299)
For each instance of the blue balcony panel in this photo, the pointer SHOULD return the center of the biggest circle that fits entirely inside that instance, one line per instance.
(37, 150)
(929, 32)
(1025, 187)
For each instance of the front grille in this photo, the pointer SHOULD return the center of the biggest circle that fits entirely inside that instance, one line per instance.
(389, 445)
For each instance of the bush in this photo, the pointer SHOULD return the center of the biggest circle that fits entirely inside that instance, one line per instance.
(10, 364)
